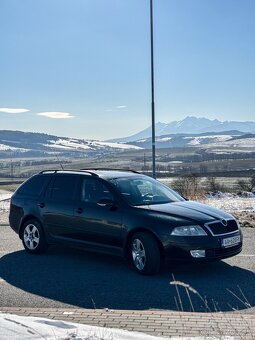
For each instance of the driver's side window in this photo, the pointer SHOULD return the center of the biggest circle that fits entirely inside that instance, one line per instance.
(145, 188)
(93, 190)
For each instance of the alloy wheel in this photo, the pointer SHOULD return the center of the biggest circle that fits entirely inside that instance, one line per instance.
(31, 236)
(138, 254)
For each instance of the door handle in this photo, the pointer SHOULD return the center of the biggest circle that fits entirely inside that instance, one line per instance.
(41, 205)
(79, 210)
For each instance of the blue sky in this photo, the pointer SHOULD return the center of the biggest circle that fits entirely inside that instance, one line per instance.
(81, 68)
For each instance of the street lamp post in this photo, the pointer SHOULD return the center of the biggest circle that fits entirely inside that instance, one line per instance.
(152, 93)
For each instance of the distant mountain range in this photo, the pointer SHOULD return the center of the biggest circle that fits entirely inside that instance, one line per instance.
(189, 132)
(28, 144)
(192, 125)
(210, 140)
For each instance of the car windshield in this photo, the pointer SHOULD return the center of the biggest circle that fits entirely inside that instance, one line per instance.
(145, 191)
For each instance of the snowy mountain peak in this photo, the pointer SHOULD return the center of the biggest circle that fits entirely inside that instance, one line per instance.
(192, 124)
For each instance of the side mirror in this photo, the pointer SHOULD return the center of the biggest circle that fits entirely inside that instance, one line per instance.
(106, 202)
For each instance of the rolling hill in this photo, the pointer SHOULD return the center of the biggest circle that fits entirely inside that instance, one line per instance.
(28, 144)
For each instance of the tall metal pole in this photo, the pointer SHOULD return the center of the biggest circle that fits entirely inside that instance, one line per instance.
(152, 94)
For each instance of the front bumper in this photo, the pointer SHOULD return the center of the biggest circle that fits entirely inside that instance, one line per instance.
(177, 248)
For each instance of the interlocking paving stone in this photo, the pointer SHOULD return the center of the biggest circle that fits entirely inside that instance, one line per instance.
(161, 323)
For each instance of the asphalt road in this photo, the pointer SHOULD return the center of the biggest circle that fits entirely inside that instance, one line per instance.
(74, 278)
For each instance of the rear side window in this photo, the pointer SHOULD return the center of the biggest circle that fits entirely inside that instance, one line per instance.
(63, 188)
(34, 186)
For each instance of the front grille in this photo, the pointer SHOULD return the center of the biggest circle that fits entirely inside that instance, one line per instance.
(218, 228)
(219, 252)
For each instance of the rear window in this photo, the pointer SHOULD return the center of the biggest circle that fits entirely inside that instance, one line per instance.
(33, 186)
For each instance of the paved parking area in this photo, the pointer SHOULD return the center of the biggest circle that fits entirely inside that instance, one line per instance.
(95, 289)
(66, 277)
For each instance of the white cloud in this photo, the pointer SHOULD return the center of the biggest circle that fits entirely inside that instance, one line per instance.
(8, 110)
(121, 107)
(56, 115)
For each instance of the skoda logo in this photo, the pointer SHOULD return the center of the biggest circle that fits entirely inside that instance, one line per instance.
(224, 222)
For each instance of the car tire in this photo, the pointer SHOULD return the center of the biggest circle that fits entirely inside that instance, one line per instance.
(145, 254)
(33, 238)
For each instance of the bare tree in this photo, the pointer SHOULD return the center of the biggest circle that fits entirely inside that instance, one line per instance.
(213, 185)
(248, 185)
(188, 186)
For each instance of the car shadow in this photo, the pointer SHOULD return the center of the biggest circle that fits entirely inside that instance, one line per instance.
(81, 279)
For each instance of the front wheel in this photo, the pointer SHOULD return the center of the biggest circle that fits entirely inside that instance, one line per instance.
(33, 238)
(145, 254)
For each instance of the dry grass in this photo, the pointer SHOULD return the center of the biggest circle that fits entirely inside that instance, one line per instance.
(187, 292)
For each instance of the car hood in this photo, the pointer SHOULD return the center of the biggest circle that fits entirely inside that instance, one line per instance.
(189, 210)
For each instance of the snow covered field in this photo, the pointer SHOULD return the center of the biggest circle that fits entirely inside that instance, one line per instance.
(243, 208)
(4, 200)
(4, 194)
(25, 328)
(4, 206)
(232, 203)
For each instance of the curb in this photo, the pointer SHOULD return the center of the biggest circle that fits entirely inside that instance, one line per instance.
(157, 323)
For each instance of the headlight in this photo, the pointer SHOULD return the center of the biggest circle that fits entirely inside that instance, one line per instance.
(190, 230)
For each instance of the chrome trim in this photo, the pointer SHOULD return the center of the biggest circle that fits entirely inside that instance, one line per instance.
(232, 232)
(224, 222)
(207, 225)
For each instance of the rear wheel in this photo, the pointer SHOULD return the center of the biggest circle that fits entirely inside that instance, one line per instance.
(145, 254)
(33, 237)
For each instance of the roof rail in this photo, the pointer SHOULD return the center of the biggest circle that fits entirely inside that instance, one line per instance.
(110, 169)
(49, 170)
(68, 170)
(88, 172)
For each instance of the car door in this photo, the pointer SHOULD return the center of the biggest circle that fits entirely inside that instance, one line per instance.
(58, 206)
(98, 224)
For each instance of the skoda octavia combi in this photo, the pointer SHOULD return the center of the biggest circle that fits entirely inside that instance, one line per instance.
(123, 213)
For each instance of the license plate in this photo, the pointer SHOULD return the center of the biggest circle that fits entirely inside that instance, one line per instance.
(231, 241)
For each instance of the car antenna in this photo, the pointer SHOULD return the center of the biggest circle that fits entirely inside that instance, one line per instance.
(60, 162)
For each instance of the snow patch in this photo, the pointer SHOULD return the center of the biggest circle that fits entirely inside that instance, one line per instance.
(72, 144)
(232, 202)
(141, 141)
(26, 327)
(211, 139)
(5, 200)
(243, 142)
(4, 147)
(116, 145)
(66, 144)
(164, 139)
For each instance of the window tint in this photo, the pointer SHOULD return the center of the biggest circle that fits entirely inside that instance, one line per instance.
(33, 186)
(64, 187)
(93, 191)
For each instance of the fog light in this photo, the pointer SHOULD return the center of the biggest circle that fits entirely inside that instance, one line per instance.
(197, 253)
